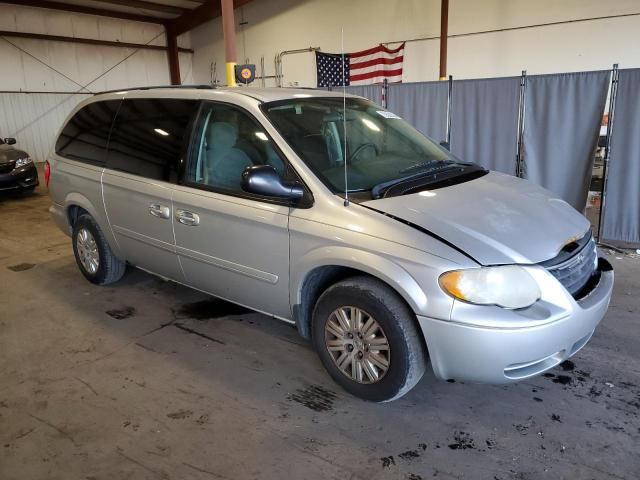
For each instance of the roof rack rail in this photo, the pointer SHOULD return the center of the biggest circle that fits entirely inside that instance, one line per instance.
(153, 87)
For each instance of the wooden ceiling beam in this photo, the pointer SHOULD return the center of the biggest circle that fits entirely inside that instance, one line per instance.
(146, 5)
(88, 41)
(67, 7)
(207, 11)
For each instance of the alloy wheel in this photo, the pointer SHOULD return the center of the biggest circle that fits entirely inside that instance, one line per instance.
(357, 344)
(87, 251)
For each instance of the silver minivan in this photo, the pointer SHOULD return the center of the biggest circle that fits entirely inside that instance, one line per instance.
(334, 214)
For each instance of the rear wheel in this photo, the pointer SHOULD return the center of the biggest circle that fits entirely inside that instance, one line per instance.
(368, 340)
(93, 255)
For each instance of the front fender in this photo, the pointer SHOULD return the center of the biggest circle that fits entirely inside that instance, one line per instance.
(375, 265)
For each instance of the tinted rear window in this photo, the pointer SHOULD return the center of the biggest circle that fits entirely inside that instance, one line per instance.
(149, 136)
(84, 137)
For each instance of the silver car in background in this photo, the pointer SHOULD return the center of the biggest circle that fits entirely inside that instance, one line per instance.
(386, 251)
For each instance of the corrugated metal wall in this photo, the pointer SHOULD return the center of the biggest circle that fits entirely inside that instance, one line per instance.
(34, 119)
(45, 66)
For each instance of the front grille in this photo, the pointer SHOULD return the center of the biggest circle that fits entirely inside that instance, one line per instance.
(575, 264)
(6, 167)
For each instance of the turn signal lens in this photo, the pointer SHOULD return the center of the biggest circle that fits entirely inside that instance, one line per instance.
(508, 286)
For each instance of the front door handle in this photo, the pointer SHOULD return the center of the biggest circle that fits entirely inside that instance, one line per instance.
(160, 211)
(187, 218)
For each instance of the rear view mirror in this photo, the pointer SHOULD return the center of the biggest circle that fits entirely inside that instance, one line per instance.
(264, 180)
(10, 141)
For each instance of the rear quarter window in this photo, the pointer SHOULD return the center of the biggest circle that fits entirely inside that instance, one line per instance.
(150, 136)
(84, 138)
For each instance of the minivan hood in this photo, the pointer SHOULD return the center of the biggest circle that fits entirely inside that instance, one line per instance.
(495, 219)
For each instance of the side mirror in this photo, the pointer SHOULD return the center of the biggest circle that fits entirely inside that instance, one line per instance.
(10, 141)
(264, 180)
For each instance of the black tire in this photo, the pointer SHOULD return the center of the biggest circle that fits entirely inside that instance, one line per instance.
(407, 352)
(110, 268)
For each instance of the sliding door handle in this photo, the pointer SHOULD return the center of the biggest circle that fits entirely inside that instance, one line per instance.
(187, 218)
(160, 211)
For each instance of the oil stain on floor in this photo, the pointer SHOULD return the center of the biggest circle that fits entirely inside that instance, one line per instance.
(21, 267)
(121, 313)
(315, 397)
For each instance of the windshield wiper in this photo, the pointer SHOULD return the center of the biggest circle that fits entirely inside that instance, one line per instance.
(376, 191)
(428, 165)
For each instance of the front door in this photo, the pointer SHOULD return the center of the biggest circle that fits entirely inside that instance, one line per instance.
(232, 244)
(148, 138)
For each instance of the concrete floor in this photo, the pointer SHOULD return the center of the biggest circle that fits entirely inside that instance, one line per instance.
(146, 379)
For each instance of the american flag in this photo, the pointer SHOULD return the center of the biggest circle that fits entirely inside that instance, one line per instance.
(360, 68)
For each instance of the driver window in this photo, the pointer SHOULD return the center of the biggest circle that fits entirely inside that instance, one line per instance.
(228, 141)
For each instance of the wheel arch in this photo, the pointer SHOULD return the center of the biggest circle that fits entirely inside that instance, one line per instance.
(322, 268)
(73, 212)
(75, 204)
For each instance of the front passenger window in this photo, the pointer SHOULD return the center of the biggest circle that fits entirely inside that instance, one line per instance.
(229, 141)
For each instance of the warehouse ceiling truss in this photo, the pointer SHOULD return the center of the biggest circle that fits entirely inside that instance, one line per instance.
(177, 17)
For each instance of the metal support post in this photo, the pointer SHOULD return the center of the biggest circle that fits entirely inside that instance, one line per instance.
(521, 124)
(613, 91)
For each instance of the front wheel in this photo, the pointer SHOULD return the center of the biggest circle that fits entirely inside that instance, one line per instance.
(368, 340)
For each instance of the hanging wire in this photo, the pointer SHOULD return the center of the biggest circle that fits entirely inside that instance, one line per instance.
(44, 63)
(82, 87)
(123, 60)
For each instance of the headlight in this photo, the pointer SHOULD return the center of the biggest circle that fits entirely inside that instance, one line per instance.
(508, 286)
(21, 162)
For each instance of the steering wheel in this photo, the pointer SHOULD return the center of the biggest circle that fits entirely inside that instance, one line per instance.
(361, 148)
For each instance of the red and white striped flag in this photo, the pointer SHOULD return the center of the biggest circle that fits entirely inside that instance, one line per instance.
(376, 64)
(360, 68)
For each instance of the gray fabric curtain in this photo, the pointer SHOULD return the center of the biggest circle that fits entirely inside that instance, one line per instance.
(423, 105)
(563, 114)
(621, 220)
(484, 118)
(371, 92)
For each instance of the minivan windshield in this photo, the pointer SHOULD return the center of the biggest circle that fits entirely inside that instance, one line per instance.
(380, 149)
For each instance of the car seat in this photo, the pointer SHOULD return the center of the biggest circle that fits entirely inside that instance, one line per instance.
(225, 163)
